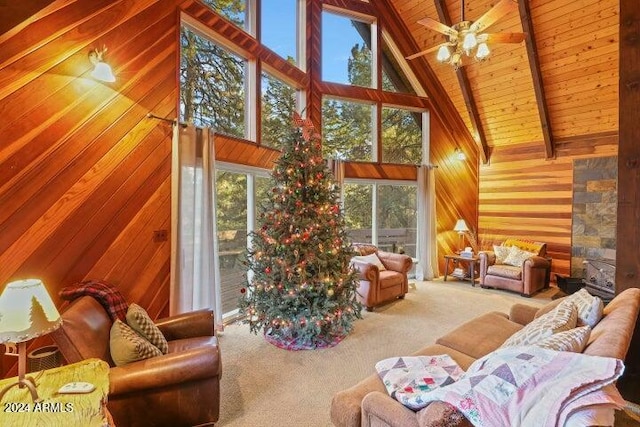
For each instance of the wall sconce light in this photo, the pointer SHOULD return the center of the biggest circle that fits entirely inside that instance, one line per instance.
(102, 70)
(460, 154)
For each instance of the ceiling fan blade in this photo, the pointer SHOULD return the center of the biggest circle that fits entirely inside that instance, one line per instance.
(501, 38)
(493, 14)
(424, 52)
(438, 26)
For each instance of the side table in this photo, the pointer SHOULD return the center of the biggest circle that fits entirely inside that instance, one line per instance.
(60, 410)
(458, 260)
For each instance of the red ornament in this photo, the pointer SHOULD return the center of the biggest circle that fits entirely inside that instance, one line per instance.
(267, 270)
(243, 290)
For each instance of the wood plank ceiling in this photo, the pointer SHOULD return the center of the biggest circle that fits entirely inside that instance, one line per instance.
(577, 53)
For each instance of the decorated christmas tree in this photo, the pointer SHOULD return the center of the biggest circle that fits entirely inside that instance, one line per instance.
(302, 292)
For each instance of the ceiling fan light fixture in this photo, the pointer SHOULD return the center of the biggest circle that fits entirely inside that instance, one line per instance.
(470, 41)
(444, 54)
(483, 51)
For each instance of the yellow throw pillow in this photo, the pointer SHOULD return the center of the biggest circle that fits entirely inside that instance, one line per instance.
(562, 318)
(140, 322)
(127, 346)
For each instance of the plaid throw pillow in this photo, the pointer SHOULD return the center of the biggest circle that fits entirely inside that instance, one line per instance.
(140, 322)
(127, 346)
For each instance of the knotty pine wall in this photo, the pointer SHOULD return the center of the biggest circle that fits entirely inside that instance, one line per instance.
(85, 175)
(524, 196)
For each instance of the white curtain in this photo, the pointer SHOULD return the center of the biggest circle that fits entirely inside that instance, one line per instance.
(195, 274)
(427, 268)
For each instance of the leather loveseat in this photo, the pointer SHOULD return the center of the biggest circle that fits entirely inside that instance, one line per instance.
(180, 388)
(379, 285)
(367, 403)
(527, 278)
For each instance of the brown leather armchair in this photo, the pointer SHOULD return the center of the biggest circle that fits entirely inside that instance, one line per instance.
(180, 388)
(527, 279)
(377, 287)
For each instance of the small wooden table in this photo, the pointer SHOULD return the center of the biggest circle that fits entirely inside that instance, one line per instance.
(60, 410)
(470, 262)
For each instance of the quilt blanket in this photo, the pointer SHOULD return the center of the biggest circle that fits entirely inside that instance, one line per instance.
(529, 386)
(407, 379)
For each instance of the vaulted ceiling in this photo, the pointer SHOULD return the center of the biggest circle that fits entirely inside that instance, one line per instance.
(558, 86)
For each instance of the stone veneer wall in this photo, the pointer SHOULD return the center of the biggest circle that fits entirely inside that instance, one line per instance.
(595, 200)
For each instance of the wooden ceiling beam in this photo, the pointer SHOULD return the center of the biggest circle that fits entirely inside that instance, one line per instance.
(536, 75)
(467, 93)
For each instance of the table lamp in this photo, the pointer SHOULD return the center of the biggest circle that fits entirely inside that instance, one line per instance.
(461, 228)
(26, 312)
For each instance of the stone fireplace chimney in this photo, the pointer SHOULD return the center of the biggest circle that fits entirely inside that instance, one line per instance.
(594, 216)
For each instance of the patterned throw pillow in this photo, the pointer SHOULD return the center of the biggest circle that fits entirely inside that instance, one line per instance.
(371, 259)
(502, 252)
(562, 318)
(574, 340)
(127, 346)
(140, 322)
(517, 256)
(589, 307)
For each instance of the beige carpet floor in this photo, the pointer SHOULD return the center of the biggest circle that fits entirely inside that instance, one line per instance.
(265, 386)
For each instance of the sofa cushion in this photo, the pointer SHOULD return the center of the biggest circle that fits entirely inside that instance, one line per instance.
(127, 346)
(140, 322)
(481, 335)
(390, 278)
(574, 340)
(517, 256)
(504, 270)
(561, 318)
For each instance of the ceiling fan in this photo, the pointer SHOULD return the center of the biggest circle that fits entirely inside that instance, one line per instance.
(467, 38)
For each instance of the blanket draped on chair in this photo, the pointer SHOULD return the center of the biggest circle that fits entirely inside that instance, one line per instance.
(105, 293)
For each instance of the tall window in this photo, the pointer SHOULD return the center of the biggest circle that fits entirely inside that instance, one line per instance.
(347, 50)
(239, 195)
(278, 105)
(382, 214)
(401, 136)
(347, 130)
(279, 28)
(212, 85)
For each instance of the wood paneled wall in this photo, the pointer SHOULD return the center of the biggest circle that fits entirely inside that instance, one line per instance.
(85, 175)
(532, 199)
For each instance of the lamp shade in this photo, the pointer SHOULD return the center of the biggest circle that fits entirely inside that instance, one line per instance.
(26, 311)
(461, 226)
